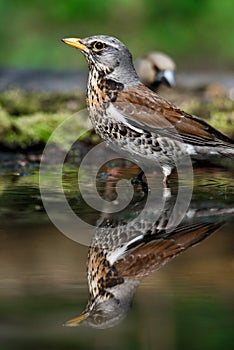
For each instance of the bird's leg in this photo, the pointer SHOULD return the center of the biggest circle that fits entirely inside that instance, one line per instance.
(139, 179)
(166, 173)
(166, 187)
(165, 182)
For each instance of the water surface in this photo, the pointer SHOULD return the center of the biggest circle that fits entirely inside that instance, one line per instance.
(187, 303)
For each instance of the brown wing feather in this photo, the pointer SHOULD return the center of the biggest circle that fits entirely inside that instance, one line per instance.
(144, 108)
(152, 256)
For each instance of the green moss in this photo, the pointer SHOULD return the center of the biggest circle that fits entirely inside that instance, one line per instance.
(224, 122)
(18, 102)
(216, 111)
(5, 123)
(29, 118)
(33, 128)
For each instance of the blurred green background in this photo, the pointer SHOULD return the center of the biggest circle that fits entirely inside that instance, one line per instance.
(196, 33)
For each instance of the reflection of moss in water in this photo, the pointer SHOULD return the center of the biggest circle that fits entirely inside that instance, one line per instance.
(20, 197)
(203, 323)
(35, 321)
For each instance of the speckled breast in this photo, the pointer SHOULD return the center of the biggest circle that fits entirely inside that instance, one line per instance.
(101, 95)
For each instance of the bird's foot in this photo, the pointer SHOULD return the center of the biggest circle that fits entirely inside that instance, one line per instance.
(140, 180)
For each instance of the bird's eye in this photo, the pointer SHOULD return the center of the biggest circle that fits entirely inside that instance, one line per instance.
(98, 45)
(98, 319)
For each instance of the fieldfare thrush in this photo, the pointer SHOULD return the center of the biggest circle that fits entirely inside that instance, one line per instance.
(129, 116)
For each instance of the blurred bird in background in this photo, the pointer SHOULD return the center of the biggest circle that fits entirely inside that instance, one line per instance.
(156, 68)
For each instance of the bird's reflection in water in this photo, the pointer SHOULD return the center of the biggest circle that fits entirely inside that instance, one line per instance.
(124, 251)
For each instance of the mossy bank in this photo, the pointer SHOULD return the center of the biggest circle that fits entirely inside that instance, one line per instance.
(28, 118)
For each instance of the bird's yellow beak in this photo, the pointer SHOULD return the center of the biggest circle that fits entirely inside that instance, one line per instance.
(75, 321)
(75, 42)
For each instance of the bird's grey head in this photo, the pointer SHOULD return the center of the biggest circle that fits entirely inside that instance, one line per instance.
(107, 309)
(108, 55)
(101, 313)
